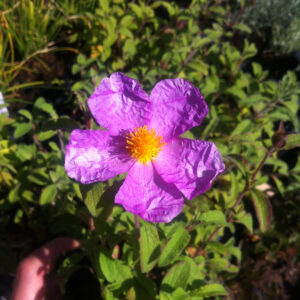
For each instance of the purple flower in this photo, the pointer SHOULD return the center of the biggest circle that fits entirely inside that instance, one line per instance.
(142, 138)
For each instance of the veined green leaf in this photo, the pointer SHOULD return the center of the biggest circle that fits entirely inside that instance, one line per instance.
(149, 246)
(242, 127)
(48, 194)
(218, 247)
(211, 290)
(177, 277)
(292, 141)
(263, 209)
(113, 269)
(174, 247)
(24, 152)
(45, 135)
(167, 5)
(106, 203)
(222, 264)
(22, 129)
(25, 113)
(242, 27)
(215, 217)
(236, 91)
(246, 220)
(91, 194)
(46, 107)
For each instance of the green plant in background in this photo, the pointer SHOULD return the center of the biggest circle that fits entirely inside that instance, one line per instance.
(29, 30)
(203, 251)
(276, 22)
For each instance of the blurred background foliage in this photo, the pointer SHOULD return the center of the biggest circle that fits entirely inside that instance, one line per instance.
(240, 240)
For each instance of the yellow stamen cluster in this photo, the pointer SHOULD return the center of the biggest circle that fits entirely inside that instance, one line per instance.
(144, 145)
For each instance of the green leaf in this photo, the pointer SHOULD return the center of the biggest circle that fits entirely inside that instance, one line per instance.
(234, 189)
(91, 194)
(113, 269)
(168, 6)
(129, 48)
(127, 21)
(292, 141)
(24, 152)
(242, 27)
(22, 129)
(126, 32)
(249, 50)
(106, 203)
(222, 264)
(46, 107)
(81, 59)
(13, 194)
(25, 113)
(257, 69)
(108, 294)
(240, 162)
(45, 135)
(188, 135)
(211, 290)
(39, 176)
(214, 246)
(145, 287)
(149, 246)
(174, 247)
(251, 99)
(213, 122)
(246, 220)
(242, 127)
(263, 209)
(236, 91)
(137, 10)
(176, 277)
(279, 185)
(179, 294)
(214, 217)
(48, 194)
(235, 251)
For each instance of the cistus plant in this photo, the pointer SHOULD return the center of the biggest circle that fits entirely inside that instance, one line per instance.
(218, 238)
(143, 140)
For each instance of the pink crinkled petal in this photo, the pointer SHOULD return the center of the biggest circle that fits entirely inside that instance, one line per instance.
(119, 103)
(146, 194)
(95, 155)
(191, 165)
(177, 106)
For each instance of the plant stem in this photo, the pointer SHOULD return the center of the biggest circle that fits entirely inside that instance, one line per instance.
(245, 190)
(214, 233)
(268, 154)
(137, 226)
(61, 141)
(248, 184)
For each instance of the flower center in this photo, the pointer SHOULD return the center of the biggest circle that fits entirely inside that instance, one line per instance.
(144, 145)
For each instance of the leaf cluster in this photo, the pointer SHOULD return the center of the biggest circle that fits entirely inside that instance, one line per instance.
(252, 208)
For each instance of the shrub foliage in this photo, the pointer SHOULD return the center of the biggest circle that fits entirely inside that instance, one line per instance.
(52, 56)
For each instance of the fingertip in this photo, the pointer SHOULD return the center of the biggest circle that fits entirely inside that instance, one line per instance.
(50, 252)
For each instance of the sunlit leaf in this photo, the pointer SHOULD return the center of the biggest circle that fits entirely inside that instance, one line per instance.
(22, 129)
(149, 246)
(48, 194)
(174, 247)
(211, 290)
(263, 208)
